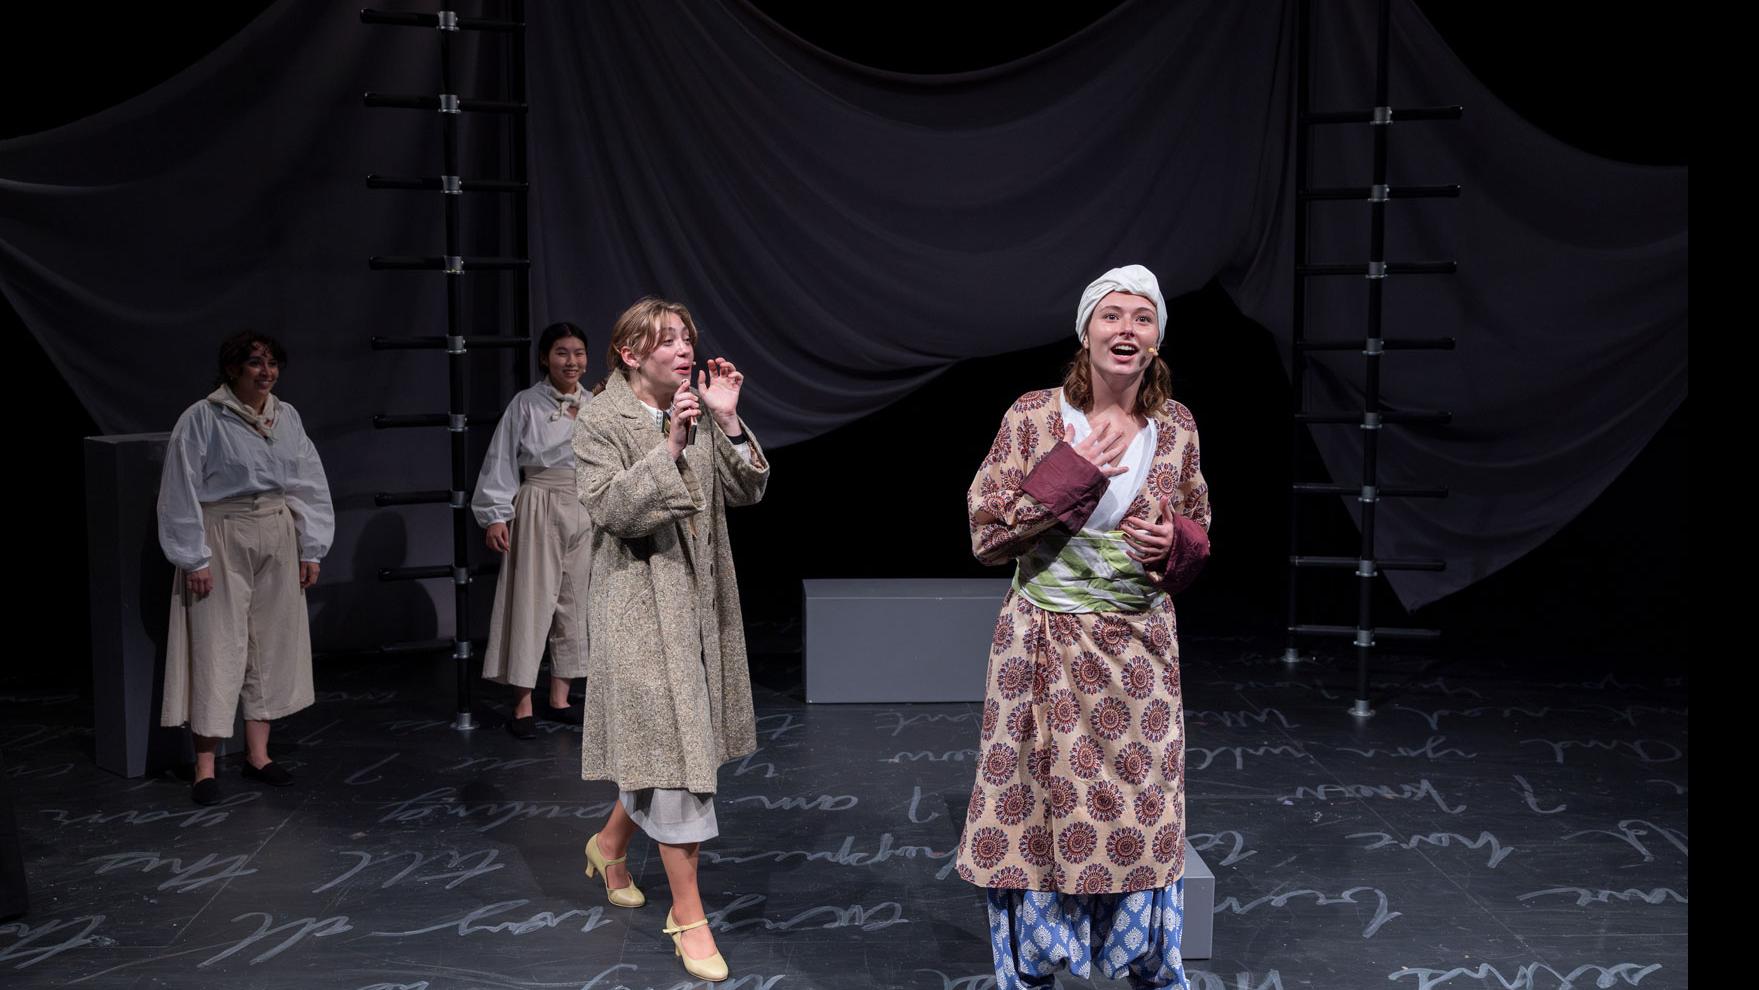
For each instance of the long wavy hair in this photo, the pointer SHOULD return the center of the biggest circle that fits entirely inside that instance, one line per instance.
(1156, 390)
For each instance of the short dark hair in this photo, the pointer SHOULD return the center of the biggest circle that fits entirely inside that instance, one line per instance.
(235, 350)
(553, 333)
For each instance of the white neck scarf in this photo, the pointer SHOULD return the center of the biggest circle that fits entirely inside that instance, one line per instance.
(564, 400)
(263, 422)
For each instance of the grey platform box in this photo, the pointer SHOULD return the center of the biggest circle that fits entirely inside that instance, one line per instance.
(1198, 939)
(884, 641)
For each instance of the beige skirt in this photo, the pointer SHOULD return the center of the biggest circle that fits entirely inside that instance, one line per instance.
(248, 640)
(541, 594)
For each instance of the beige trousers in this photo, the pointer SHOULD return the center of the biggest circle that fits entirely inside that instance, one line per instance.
(248, 640)
(542, 591)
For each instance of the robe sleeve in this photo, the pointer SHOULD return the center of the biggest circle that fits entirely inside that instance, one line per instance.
(498, 481)
(629, 500)
(1191, 518)
(181, 534)
(743, 469)
(1010, 504)
(308, 496)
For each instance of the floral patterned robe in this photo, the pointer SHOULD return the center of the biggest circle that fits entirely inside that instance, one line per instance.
(1081, 776)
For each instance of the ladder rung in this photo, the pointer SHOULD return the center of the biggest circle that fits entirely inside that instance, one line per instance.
(1349, 632)
(439, 343)
(432, 571)
(427, 419)
(1386, 344)
(434, 263)
(426, 646)
(383, 499)
(412, 19)
(1399, 114)
(435, 183)
(417, 646)
(1391, 564)
(1314, 488)
(1385, 417)
(417, 101)
(1392, 192)
(1392, 268)
(1412, 564)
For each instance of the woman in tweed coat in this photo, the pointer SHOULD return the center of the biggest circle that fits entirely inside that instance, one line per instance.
(668, 695)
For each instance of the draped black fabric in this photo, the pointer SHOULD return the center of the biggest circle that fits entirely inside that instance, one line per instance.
(845, 234)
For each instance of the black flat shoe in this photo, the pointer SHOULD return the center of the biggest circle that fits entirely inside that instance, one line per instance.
(205, 791)
(271, 773)
(523, 727)
(570, 715)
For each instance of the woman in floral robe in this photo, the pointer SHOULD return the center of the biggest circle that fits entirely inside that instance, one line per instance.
(1077, 818)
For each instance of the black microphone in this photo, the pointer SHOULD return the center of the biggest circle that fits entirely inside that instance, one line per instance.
(690, 434)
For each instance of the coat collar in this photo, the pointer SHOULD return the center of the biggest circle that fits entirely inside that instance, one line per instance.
(623, 400)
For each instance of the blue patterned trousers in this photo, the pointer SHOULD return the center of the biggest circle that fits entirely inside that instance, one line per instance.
(1032, 932)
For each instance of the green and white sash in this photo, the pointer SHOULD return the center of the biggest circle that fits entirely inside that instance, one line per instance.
(1089, 572)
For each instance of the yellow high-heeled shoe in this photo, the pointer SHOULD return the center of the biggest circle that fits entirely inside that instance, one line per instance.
(630, 896)
(713, 969)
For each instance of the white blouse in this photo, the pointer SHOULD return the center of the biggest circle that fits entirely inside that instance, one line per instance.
(214, 454)
(1122, 489)
(535, 432)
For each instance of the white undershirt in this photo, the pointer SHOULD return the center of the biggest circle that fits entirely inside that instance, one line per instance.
(1121, 490)
(659, 416)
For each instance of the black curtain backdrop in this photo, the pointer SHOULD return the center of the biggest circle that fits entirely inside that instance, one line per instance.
(849, 233)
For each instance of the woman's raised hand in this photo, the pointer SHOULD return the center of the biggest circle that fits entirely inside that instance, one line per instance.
(1150, 543)
(719, 384)
(1102, 448)
(685, 410)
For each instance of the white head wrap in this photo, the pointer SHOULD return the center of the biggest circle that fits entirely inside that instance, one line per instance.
(1134, 279)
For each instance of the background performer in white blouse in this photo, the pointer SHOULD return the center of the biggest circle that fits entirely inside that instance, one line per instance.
(543, 531)
(245, 515)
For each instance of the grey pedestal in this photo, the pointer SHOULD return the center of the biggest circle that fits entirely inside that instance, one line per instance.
(884, 641)
(1198, 939)
(130, 596)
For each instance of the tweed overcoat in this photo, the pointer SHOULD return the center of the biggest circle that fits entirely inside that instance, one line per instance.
(668, 689)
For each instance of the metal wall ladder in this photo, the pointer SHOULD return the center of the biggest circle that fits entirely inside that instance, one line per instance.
(455, 267)
(1374, 416)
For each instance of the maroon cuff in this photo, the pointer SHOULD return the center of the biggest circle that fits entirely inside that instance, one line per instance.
(1190, 551)
(1067, 484)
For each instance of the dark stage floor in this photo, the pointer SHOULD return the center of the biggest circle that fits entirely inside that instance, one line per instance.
(1504, 823)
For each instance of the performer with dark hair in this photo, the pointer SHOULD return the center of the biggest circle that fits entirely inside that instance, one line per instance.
(669, 696)
(245, 515)
(542, 531)
(1077, 818)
